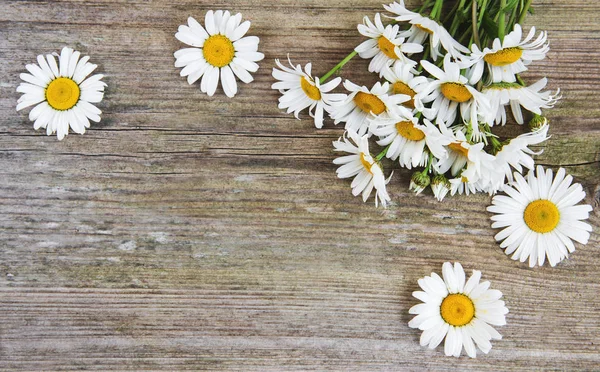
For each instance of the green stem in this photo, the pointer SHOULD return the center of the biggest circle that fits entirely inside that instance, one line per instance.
(425, 56)
(482, 12)
(474, 24)
(337, 67)
(429, 163)
(524, 12)
(513, 17)
(382, 153)
(436, 12)
(496, 145)
(425, 5)
(502, 20)
(452, 12)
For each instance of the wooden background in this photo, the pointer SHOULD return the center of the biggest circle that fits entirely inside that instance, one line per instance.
(188, 232)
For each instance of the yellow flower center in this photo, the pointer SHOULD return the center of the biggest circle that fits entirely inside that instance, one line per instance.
(387, 47)
(424, 29)
(402, 88)
(456, 147)
(407, 130)
(310, 90)
(218, 50)
(457, 309)
(504, 57)
(541, 216)
(369, 103)
(365, 162)
(62, 93)
(456, 92)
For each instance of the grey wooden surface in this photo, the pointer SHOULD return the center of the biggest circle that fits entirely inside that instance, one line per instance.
(188, 232)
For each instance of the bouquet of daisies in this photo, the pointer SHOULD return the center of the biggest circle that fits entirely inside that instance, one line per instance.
(448, 78)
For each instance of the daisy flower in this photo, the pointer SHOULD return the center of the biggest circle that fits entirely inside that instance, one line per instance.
(407, 139)
(540, 218)
(403, 81)
(363, 103)
(464, 158)
(508, 58)
(517, 154)
(530, 97)
(385, 45)
(440, 186)
(219, 51)
(461, 312)
(423, 28)
(367, 172)
(462, 185)
(300, 90)
(449, 92)
(63, 93)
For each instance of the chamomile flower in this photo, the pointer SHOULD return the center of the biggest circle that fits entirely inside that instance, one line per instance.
(219, 51)
(403, 81)
(361, 165)
(466, 159)
(510, 57)
(300, 90)
(450, 93)
(517, 155)
(385, 46)
(530, 97)
(462, 185)
(63, 93)
(540, 217)
(461, 312)
(407, 139)
(440, 186)
(362, 104)
(423, 28)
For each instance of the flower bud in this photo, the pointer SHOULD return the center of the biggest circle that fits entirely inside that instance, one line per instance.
(440, 186)
(419, 182)
(537, 122)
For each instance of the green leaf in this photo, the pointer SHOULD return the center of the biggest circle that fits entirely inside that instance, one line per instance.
(510, 5)
(489, 26)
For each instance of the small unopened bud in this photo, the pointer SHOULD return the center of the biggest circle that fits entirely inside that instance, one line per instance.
(537, 122)
(419, 182)
(440, 186)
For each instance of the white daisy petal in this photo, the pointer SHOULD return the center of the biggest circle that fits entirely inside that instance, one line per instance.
(38, 73)
(52, 63)
(228, 81)
(63, 65)
(240, 31)
(44, 117)
(45, 67)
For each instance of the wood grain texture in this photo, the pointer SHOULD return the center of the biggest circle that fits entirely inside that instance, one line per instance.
(187, 232)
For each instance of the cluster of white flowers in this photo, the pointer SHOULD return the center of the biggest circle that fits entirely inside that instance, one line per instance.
(434, 108)
(438, 113)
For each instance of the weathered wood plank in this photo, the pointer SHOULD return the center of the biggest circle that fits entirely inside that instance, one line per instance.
(187, 232)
